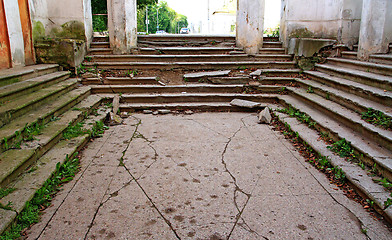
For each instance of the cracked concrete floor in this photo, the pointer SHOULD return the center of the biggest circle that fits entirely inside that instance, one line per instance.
(203, 176)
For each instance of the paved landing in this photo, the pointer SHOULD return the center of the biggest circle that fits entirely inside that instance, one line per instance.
(201, 176)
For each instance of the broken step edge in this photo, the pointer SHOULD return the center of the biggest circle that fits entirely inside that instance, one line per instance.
(353, 173)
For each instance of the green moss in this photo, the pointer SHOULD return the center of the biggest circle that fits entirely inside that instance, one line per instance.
(301, 33)
(38, 31)
(70, 30)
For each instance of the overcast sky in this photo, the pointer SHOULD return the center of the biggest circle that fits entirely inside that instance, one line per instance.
(196, 10)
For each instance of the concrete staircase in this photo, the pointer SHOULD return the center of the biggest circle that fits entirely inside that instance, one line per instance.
(334, 95)
(183, 55)
(37, 104)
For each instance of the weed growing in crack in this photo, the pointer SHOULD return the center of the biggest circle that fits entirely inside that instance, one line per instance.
(98, 130)
(388, 202)
(377, 118)
(300, 116)
(74, 131)
(7, 207)
(6, 191)
(344, 149)
(42, 198)
(310, 90)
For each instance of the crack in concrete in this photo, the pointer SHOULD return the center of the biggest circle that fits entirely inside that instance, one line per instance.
(212, 130)
(72, 188)
(237, 188)
(137, 181)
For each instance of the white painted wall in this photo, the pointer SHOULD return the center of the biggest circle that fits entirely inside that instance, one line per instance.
(335, 19)
(376, 28)
(39, 12)
(15, 32)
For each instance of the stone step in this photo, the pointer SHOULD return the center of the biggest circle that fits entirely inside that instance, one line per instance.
(100, 51)
(187, 50)
(278, 81)
(23, 104)
(100, 39)
(371, 79)
(352, 101)
(193, 97)
(349, 55)
(272, 51)
(15, 161)
(186, 38)
(347, 117)
(190, 88)
(381, 58)
(228, 80)
(99, 45)
(190, 65)
(189, 58)
(21, 88)
(362, 66)
(195, 43)
(184, 106)
(121, 81)
(42, 115)
(355, 175)
(18, 74)
(281, 72)
(28, 182)
(362, 90)
(272, 44)
(371, 153)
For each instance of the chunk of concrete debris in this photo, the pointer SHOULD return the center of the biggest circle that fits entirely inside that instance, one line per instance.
(155, 113)
(116, 104)
(244, 103)
(124, 115)
(254, 83)
(188, 112)
(199, 75)
(115, 119)
(164, 111)
(147, 111)
(265, 116)
(256, 73)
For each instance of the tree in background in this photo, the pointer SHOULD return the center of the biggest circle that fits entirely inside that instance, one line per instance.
(100, 22)
(168, 20)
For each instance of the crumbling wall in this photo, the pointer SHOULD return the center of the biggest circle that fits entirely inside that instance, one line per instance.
(331, 19)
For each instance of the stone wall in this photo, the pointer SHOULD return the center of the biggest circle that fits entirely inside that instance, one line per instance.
(330, 19)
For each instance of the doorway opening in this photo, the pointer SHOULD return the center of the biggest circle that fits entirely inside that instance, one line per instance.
(100, 16)
(272, 16)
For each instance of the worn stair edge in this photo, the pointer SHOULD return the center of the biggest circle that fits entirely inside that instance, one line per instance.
(43, 114)
(193, 97)
(14, 75)
(15, 161)
(349, 100)
(20, 105)
(357, 177)
(360, 89)
(200, 106)
(347, 117)
(29, 182)
(376, 68)
(349, 55)
(371, 79)
(381, 58)
(31, 85)
(191, 65)
(369, 152)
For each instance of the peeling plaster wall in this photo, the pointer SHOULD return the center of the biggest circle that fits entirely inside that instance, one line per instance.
(15, 32)
(53, 13)
(250, 25)
(334, 19)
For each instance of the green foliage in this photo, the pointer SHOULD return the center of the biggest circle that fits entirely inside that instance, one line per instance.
(168, 20)
(388, 202)
(377, 118)
(343, 149)
(98, 130)
(302, 117)
(42, 198)
(385, 183)
(6, 191)
(272, 32)
(74, 131)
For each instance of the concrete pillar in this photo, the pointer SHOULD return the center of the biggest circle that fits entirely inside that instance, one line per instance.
(376, 28)
(250, 25)
(122, 24)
